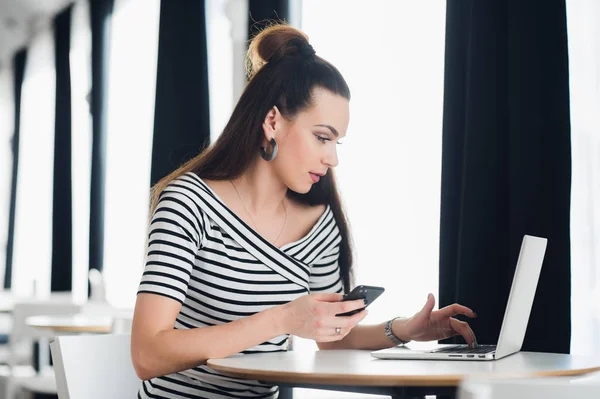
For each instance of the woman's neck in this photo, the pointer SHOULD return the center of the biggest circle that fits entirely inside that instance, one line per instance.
(261, 189)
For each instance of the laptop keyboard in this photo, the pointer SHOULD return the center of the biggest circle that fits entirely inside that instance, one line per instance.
(465, 349)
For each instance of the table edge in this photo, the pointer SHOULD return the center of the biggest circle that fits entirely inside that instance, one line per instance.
(100, 329)
(385, 380)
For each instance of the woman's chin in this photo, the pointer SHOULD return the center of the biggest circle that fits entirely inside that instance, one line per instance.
(301, 188)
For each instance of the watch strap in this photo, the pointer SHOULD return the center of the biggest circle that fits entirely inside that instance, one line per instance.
(390, 334)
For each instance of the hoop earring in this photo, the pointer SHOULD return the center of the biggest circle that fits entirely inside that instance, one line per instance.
(272, 155)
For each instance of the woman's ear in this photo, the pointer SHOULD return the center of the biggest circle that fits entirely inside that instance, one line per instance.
(272, 118)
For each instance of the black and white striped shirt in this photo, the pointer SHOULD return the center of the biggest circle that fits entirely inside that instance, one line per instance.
(205, 257)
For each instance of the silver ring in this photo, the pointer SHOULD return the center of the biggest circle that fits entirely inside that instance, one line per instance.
(338, 331)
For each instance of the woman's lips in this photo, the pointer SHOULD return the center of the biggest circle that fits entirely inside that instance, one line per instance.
(315, 178)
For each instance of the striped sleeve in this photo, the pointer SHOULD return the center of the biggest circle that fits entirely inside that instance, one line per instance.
(175, 235)
(325, 275)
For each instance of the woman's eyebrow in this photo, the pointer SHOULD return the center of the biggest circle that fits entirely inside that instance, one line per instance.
(335, 132)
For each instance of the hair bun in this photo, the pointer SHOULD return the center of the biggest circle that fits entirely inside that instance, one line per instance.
(274, 43)
(307, 50)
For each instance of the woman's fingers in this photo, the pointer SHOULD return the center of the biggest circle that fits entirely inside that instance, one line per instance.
(342, 321)
(345, 307)
(452, 310)
(331, 334)
(464, 329)
(335, 328)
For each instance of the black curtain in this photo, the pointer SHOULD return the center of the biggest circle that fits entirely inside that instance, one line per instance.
(18, 73)
(100, 18)
(506, 162)
(181, 115)
(62, 231)
(261, 12)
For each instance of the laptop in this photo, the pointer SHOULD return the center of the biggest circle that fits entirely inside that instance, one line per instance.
(516, 317)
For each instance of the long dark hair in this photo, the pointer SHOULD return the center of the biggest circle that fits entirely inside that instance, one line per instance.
(282, 71)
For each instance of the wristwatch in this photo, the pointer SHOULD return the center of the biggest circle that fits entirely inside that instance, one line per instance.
(390, 334)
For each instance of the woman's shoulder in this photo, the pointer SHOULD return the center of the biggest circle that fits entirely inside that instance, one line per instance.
(188, 180)
(192, 185)
(186, 191)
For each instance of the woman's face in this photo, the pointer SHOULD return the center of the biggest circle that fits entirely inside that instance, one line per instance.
(308, 143)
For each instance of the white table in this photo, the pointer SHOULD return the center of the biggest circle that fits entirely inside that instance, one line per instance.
(77, 323)
(358, 371)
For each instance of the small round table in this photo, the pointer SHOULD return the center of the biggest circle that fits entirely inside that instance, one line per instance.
(358, 371)
(77, 323)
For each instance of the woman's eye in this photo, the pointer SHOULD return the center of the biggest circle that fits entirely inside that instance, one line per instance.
(323, 139)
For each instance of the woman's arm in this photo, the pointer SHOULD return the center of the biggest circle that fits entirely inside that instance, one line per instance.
(157, 349)
(426, 325)
(371, 337)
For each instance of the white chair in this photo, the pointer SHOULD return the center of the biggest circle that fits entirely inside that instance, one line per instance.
(5, 329)
(7, 304)
(19, 377)
(580, 387)
(22, 354)
(94, 367)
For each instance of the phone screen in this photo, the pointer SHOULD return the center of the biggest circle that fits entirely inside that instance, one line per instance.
(367, 292)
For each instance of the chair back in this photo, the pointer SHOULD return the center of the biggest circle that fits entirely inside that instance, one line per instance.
(94, 367)
(23, 334)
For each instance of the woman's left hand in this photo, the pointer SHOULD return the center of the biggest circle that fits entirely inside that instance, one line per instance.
(433, 325)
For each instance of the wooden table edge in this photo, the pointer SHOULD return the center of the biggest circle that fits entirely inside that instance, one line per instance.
(94, 329)
(385, 380)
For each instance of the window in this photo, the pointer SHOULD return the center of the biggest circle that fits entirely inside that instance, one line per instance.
(33, 215)
(390, 162)
(131, 91)
(220, 31)
(392, 56)
(584, 63)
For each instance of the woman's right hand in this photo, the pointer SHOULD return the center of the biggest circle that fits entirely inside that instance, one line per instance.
(314, 316)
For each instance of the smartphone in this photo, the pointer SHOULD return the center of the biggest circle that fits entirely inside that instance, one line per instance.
(366, 292)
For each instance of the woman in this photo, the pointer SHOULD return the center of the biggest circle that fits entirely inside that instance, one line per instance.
(248, 243)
